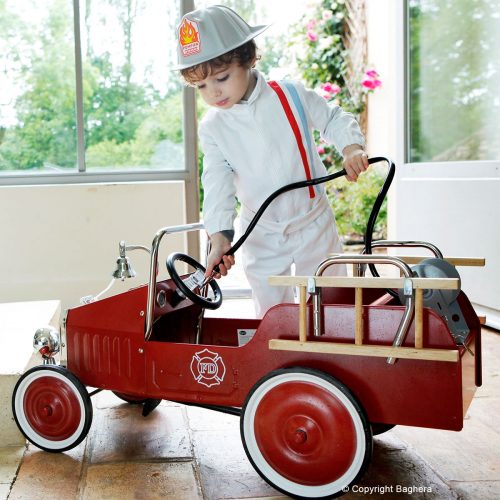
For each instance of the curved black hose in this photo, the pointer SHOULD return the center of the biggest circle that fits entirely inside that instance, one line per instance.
(272, 196)
(320, 180)
(370, 226)
(372, 219)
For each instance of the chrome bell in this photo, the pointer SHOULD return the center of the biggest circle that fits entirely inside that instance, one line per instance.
(123, 267)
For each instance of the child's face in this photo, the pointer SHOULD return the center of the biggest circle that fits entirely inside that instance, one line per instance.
(226, 86)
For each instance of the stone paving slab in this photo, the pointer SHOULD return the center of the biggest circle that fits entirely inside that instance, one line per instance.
(136, 480)
(394, 471)
(119, 432)
(10, 457)
(224, 469)
(44, 475)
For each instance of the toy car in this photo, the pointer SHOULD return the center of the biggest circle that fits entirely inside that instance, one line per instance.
(312, 382)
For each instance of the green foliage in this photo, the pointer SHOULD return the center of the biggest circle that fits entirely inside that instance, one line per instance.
(323, 55)
(46, 132)
(108, 153)
(318, 41)
(116, 107)
(352, 204)
(165, 122)
(161, 123)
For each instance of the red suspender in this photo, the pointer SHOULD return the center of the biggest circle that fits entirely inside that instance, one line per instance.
(296, 131)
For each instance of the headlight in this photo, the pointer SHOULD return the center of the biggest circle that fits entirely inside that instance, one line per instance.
(47, 341)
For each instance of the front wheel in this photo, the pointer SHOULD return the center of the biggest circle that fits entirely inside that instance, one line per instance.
(52, 408)
(305, 433)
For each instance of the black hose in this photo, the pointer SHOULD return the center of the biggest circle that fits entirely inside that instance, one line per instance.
(272, 196)
(372, 219)
(320, 180)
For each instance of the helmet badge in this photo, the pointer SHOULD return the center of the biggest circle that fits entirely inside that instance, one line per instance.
(189, 38)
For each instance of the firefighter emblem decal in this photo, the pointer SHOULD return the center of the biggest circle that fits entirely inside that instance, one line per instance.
(208, 368)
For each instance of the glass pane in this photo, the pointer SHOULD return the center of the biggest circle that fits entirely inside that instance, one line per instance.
(37, 82)
(454, 66)
(132, 98)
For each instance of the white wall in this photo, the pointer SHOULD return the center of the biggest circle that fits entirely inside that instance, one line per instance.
(456, 207)
(61, 241)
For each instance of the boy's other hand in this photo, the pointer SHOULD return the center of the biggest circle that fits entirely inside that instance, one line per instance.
(220, 245)
(355, 161)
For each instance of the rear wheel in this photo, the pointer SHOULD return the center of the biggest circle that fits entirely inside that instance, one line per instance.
(305, 433)
(52, 408)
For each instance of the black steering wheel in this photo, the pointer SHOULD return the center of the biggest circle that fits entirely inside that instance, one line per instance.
(191, 287)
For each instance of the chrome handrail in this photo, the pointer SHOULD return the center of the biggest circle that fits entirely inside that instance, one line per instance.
(360, 268)
(368, 259)
(410, 243)
(153, 268)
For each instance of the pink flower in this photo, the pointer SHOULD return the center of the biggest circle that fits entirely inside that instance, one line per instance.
(371, 80)
(331, 88)
(371, 84)
(327, 14)
(328, 90)
(371, 73)
(311, 24)
(321, 150)
(312, 36)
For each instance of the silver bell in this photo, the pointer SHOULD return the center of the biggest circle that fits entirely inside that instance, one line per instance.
(123, 267)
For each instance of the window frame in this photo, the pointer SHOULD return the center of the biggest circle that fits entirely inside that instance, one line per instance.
(432, 169)
(189, 172)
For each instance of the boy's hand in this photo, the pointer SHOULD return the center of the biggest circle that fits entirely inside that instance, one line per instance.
(220, 245)
(355, 161)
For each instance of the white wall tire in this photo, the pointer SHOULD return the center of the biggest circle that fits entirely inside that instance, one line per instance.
(52, 408)
(305, 433)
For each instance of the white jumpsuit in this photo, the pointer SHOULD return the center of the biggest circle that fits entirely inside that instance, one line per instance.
(250, 152)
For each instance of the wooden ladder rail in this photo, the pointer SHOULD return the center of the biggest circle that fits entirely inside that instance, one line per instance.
(358, 348)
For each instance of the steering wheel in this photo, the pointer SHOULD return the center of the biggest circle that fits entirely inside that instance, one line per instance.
(190, 287)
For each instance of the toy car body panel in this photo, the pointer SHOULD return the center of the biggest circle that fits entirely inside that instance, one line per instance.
(106, 348)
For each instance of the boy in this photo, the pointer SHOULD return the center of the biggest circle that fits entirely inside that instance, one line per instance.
(253, 145)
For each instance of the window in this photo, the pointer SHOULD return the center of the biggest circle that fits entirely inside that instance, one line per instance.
(37, 114)
(125, 113)
(454, 96)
